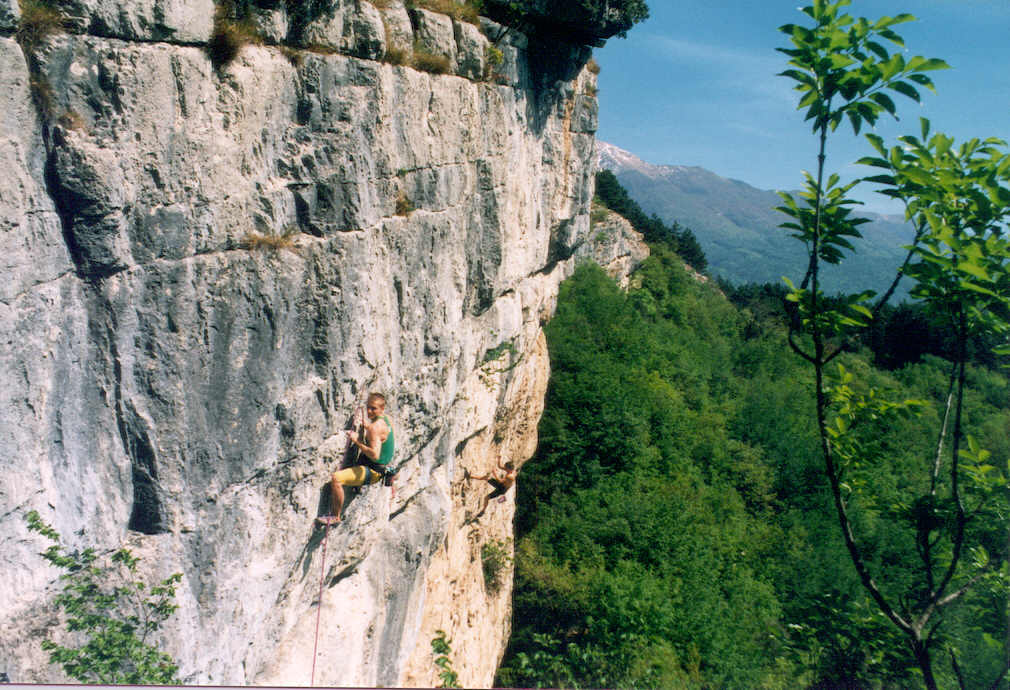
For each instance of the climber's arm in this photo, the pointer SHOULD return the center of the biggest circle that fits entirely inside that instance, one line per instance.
(374, 436)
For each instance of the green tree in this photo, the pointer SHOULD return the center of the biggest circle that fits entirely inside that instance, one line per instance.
(958, 200)
(112, 613)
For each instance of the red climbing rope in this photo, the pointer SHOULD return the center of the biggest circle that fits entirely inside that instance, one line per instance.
(319, 609)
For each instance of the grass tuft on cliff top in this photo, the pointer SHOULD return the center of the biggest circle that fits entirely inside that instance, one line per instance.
(258, 240)
(38, 21)
(429, 62)
(465, 12)
(229, 37)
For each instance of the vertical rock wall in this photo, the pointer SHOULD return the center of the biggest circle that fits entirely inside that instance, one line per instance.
(168, 378)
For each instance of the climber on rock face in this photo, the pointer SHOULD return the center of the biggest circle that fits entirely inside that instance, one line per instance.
(501, 479)
(375, 452)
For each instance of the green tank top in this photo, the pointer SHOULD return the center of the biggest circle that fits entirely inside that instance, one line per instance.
(386, 451)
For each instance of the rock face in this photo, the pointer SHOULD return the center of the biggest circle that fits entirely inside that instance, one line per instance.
(206, 270)
(10, 12)
(616, 246)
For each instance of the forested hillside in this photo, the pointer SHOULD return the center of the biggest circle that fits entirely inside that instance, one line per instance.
(676, 528)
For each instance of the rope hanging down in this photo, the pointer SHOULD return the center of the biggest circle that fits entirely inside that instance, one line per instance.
(319, 605)
(357, 420)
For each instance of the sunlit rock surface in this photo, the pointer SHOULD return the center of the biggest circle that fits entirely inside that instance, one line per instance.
(168, 380)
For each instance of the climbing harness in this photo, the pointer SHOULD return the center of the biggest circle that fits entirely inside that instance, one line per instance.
(373, 467)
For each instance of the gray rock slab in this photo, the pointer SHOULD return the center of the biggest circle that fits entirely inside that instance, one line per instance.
(471, 50)
(10, 12)
(351, 28)
(175, 21)
(398, 30)
(32, 247)
(434, 35)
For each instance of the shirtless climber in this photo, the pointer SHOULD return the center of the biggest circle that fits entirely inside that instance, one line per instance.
(501, 480)
(374, 455)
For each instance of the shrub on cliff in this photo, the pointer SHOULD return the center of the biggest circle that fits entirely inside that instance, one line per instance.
(258, 240)
(466, 11)
(429, 62)
(441, 649)
(110, 613)
(496, 559)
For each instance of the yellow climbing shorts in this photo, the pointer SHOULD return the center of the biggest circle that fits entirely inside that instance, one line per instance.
(356, 476)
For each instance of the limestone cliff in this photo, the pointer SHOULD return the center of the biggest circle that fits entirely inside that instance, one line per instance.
(207, 266)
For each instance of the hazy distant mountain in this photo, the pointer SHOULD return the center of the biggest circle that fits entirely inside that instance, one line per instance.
(737, 225)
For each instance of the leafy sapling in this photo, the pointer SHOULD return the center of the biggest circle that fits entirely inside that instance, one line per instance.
(110, 615)
(959, 261)
(441, 649)
(842, 70)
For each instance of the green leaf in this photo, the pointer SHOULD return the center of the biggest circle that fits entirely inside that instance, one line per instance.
(917, 175)
(884, 101)
(880, 179)
(975, 287)
(874, 161)
(807, 100)
(855, 120)
(803, 78)
(878, 50)
(920, 79)
(933, 64)
(839, 61)
(905, 89)
(892, 37)
(892, 67)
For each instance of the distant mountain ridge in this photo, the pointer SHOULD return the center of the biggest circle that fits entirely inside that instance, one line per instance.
(737, 225)
(617, 159)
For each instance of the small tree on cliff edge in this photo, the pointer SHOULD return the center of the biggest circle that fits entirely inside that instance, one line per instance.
(959, 202)
(113, 613)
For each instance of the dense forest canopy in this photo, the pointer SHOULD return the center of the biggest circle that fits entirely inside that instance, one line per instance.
(677, 528)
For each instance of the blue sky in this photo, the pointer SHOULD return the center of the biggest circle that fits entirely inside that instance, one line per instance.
(695, 84)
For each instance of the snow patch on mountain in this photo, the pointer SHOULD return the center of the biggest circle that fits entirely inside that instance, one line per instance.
(617, 160)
